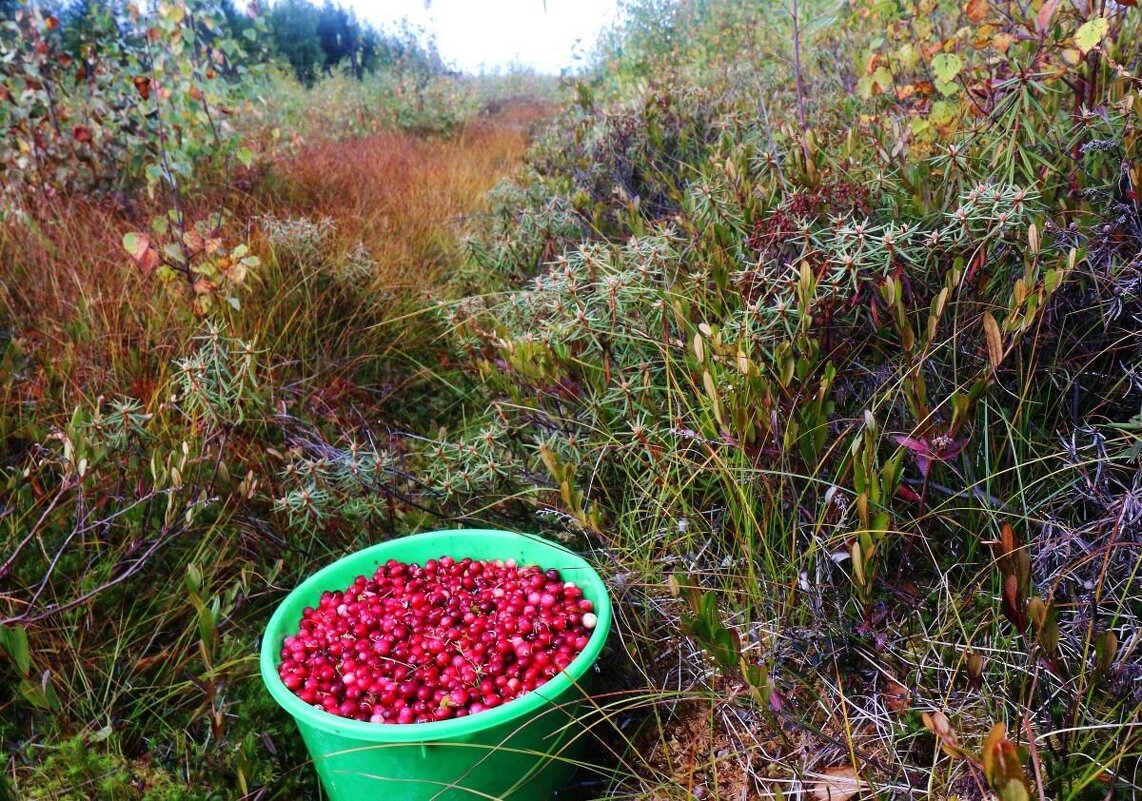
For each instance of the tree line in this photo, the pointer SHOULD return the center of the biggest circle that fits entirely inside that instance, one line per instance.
(317, 40)
(312, 40)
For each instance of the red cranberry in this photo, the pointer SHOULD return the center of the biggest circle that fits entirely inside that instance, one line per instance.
(414, 644)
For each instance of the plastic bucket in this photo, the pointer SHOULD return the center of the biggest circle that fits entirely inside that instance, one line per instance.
(523, 750)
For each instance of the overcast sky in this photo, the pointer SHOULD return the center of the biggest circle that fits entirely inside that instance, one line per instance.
(471, 34)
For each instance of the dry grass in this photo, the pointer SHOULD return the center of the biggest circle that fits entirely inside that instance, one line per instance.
(91, 324)
(334, 333)
(400, 195)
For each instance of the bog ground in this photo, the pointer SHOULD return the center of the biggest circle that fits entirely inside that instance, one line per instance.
(814, 327)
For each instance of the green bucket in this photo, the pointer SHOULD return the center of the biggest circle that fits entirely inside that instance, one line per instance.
(523, 750)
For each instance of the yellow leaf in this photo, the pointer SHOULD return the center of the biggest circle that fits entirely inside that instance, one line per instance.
(1091, 33)
(994, 339)
(712, 392)
(743, 363)
(1014, 790)
(836, 784)
(1002, 42)
(947, 88)
(1071, 56)
(947, 66)
(941, 113)
(1037, 611)
(941, 301)
(1019, 291)
(908, 55)
(990, 752)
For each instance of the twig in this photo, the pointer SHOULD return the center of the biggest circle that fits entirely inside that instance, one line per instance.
(797, 67)
(1027, 728)
(135, 567)
(1034, 752)
(11, 560)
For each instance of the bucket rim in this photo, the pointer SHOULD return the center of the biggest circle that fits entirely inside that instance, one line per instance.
(516, 710)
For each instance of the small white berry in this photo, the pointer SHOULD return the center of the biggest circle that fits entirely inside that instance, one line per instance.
(590, 620)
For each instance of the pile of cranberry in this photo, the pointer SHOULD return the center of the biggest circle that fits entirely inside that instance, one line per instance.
(451, 638)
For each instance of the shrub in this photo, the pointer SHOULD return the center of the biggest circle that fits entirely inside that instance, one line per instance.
(805, 383)
(139, 97)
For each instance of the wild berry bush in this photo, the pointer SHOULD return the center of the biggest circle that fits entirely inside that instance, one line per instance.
(851, 403)
(344, 106)
(138, 96)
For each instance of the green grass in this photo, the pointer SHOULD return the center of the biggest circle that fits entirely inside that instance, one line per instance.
(787, 390)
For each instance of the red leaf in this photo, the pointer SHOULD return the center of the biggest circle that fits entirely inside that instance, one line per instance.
(948, 448)
(143, 84)
(138, 246)
(149, 261)
(1010, 603)
(938, 449)
(924, 464)
(976, 10)
(921, 450)
(917, 446)
(907, 493)
(1046, 11)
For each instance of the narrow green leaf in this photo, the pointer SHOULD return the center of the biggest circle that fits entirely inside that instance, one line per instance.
(15, 642)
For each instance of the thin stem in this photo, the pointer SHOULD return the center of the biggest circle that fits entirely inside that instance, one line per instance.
(797, 67)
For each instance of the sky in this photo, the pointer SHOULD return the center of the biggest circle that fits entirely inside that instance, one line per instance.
(492, 34)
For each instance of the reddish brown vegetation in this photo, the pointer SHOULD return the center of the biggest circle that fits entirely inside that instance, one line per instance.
(75, 302)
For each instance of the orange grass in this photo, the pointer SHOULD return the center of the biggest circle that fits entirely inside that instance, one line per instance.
(403, 196)
(92, 325)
